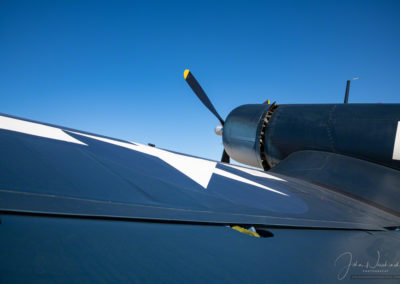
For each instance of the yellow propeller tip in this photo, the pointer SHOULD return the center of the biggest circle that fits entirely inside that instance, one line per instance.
(186, 73)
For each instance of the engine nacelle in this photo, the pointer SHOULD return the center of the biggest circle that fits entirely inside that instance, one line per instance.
(262, 135)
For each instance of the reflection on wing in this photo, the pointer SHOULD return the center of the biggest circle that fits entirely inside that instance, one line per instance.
(100, 176)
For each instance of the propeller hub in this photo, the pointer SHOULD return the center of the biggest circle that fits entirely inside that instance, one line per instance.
(218, 130)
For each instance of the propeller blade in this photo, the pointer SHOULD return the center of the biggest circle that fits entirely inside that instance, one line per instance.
(195, 86)
(225, 157)
(198, 90)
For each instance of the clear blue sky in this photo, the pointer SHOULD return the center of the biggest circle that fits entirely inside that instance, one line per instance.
(115, 67)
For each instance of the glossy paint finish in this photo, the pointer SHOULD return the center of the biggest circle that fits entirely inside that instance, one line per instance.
(102, 177)
(364, 131)
(103, 210)
(242, 131)
(63, 250)
(366, 181)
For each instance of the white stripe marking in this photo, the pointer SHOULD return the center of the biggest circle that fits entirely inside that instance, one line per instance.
(244, 180)
(199, 170)
(36, 129)
(396, 148)
(256, 173)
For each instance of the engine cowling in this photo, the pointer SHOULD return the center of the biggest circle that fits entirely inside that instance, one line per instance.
(261, 135)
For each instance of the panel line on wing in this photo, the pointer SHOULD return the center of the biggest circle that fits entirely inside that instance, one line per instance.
(199, 170)
(253, 172)
(245, 180)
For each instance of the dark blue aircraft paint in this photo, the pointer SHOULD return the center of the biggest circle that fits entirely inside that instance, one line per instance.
(362, 180)
(38, 174)
(64, 250)
(363, 131)
(103, 213)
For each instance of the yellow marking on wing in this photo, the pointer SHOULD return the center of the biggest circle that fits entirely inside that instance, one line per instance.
(245, 231)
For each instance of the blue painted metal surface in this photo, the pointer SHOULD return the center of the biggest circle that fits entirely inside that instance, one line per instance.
(63, 250)
(101, 179)
(242, 131)
(357, 178)
(104, 213)
(364, 131)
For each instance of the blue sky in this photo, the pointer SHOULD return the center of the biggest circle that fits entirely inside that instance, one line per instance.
(115, 67)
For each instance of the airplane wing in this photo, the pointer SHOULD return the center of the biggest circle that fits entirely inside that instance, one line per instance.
(81, 207)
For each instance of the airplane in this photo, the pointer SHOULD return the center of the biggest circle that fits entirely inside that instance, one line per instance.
(317, 200)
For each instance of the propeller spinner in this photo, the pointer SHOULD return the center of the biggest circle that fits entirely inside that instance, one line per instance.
(198, 90)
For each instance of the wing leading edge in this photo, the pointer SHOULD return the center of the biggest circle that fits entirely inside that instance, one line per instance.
(73, 173)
